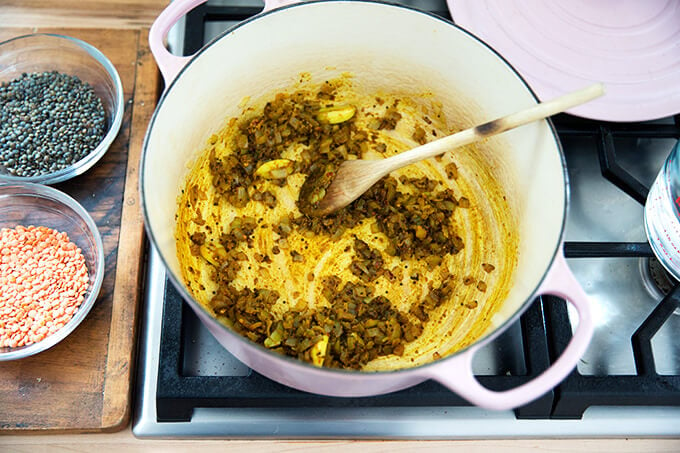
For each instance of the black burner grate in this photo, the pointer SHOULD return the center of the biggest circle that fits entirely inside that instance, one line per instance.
(646, 388)
(545, 326)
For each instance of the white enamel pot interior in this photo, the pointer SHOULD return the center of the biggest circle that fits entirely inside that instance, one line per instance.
(384, 46)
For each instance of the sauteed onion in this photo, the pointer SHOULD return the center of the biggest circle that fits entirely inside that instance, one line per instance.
(370, 286)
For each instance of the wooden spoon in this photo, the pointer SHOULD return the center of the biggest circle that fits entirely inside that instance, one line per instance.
(354, 177)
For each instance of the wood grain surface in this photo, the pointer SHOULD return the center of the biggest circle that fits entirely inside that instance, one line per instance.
(83, 384)
(104, 14)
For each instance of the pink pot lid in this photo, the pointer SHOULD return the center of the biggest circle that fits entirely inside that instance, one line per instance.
(632, 46)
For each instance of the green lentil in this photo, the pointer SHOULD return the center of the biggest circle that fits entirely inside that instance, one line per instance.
(48, 121)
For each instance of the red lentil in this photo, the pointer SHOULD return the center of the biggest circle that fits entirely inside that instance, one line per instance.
(43, 279)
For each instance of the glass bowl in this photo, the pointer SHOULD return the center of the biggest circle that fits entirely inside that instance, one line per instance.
(49, 52)
(35, 204)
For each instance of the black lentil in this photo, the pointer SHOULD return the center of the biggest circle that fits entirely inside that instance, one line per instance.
(48, 121)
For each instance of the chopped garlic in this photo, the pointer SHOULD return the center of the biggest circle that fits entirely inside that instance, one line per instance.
(275, 169)
(336, 114)
(318, 351)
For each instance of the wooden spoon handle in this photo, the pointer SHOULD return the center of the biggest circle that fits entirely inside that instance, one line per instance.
(537, 112)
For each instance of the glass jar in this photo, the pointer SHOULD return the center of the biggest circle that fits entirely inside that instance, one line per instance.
(662, 214)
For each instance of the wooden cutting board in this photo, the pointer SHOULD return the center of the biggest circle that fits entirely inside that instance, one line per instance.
(84, 383)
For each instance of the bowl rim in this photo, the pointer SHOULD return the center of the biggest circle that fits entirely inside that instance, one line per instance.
(42, 191)
(98, 152)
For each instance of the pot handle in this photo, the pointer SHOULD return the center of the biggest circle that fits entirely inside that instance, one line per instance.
(169, 64)
(456, 373)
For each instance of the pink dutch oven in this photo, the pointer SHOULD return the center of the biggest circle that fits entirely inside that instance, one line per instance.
(382, 45)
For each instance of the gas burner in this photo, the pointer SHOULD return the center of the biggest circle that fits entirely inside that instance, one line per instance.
(656, 279)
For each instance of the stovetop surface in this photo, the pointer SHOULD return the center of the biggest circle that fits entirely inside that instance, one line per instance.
(621, 292)
(608, 253)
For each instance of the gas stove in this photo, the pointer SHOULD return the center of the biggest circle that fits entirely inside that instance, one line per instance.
(627, 383)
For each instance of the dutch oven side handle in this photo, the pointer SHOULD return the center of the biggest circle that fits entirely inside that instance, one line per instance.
(456, 373)
(170, 64)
